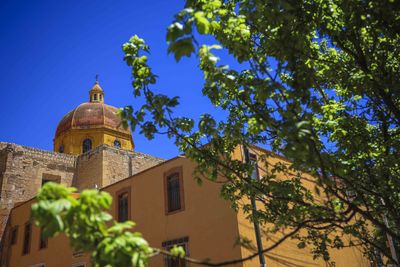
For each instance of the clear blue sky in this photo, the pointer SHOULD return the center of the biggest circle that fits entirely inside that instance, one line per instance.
(50, 52)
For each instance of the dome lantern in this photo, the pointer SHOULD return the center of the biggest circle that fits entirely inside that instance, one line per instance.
(96, 94)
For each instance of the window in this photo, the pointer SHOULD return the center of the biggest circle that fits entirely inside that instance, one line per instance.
(61, 149)
(117, 144)
(95, 97)
(14, 235)
(174, 190)
(86, 145)
(253, 162)
(45, 181)
(47, 177)
(27, 239)
(176, 262)
(42, 240)
(123, 200)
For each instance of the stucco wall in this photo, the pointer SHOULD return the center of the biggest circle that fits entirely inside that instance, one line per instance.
(287, 254)
(207, 220)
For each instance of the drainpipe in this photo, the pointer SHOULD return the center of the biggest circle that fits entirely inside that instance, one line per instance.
(254, 210)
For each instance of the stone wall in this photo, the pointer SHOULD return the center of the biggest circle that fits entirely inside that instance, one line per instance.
(23, 169)
(106, 165)
(89, 170)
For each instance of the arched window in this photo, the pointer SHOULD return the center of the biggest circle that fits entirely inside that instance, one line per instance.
(117, 144)
(61, 149)
(86, 145)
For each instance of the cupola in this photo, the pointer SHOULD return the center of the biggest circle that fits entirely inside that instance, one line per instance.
(96, 94)
(91, 124)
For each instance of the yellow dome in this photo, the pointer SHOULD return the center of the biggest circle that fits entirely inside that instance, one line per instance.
(91, 124)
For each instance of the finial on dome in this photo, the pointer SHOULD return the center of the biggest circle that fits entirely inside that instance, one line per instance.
(96, 94)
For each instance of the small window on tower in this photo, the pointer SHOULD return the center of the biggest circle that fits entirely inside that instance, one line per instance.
(95, 97)
(61, 149)
(86, 145)
(100, 97)
(117, 144)
(47, 177)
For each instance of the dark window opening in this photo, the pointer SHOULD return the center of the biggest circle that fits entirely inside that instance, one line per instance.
(86, 145)
(61, 149)
(14, 235)
(123, 207)
(43, 240)
(27, 239)
(176, 262)
(47, 177)
(253, 162)
(95, 97)
(45, 181)
(174, 192)
(117, 144)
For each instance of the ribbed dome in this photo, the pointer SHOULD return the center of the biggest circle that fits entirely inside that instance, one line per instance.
(91, 115)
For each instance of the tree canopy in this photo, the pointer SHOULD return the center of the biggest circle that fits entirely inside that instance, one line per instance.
(318, 82)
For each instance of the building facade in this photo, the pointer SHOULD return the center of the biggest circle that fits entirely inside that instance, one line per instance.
(161, 196)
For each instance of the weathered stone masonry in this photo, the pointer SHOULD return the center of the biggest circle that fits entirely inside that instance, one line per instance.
(23, 169)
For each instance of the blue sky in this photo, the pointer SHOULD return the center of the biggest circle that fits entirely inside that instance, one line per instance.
(50, 52)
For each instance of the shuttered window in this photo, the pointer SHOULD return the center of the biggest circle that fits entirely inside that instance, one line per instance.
(27, 238)
(176, 262)
(254, 163)
(123, 207)
(42, 240)
(14, 235)
(174, 192)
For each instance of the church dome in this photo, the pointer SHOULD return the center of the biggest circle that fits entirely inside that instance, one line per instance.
(91, 115)
(91, 124)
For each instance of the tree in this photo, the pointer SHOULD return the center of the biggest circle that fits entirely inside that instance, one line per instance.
(85, 221)
(318, 82)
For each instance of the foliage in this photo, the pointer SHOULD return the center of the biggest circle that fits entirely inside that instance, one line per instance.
(84, 220)
(317, 82)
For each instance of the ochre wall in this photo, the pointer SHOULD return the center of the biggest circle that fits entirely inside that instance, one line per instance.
(207, 220)
(73, 139)
(288, 254)
(57, 254)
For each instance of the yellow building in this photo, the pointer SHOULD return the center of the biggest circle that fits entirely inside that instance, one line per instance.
(162, 197)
